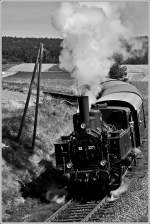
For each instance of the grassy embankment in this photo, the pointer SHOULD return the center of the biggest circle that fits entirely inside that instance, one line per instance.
(7, 66)
(54, 81)
(20, 163)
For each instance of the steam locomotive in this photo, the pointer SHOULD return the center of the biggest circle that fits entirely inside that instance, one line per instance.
(102, 146)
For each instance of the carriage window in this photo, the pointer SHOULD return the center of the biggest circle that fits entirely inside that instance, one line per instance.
(115, 117)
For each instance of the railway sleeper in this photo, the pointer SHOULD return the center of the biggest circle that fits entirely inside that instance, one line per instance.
(83, 206)
(79, 212)
(68, 220)
(94, 220)
(71, 218)
(80, 209)
(74, 214)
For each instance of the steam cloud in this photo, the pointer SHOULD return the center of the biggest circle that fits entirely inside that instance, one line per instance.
(138, 47)
(115, 194)
(91, 33)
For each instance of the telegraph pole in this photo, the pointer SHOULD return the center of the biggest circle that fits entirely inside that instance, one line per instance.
(37, 96)
(37, 66)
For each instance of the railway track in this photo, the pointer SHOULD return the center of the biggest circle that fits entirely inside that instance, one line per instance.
(81, 212)
(93, 211)
(76, 212)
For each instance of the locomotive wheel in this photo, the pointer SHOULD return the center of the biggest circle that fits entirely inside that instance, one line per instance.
(102, 185)
(104, 188)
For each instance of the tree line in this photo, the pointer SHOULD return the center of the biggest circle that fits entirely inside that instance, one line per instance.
(16, 49)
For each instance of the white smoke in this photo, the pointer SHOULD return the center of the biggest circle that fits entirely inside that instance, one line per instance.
(59, 200)
(138, 47)
(115, 194)
(138, 153)
(91, 33)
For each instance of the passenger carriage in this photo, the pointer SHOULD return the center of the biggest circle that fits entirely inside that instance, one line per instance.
(126, 101)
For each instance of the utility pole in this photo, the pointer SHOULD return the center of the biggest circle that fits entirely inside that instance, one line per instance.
(37, 96)
(37, 66)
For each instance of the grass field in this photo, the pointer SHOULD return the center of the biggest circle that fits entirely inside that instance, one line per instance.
(142, 86)
(44, 75)
(138, 69)
(20, 162)
(25, 67)
(7, 66)
(50, 81)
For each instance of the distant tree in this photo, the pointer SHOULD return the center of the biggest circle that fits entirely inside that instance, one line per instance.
(118, 72)
(4, 61)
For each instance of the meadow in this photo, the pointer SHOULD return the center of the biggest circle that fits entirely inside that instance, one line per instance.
(20, 162)
(21, 165)
(50, 81)
(7, 66)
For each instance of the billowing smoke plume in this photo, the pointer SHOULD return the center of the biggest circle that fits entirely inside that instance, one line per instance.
(138, 47)
(91, 33)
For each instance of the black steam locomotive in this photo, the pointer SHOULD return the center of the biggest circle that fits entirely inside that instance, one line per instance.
(101, 147)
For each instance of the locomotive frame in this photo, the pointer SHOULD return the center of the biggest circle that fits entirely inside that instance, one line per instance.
(102, 146)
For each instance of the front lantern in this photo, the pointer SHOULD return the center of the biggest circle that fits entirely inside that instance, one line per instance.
(69, 165)
(103, 163)
(83, 125)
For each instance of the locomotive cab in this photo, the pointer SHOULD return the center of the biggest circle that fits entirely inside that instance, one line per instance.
(118, 118)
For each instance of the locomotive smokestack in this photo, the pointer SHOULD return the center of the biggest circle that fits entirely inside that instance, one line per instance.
(84, 108)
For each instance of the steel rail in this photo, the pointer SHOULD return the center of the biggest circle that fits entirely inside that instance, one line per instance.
(55, 214)
(86, 219)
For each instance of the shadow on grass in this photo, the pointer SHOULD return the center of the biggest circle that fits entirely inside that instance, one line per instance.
(50, 183)
(16, 153)
(47, 184)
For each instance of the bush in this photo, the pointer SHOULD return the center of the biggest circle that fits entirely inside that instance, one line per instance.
(118, 72)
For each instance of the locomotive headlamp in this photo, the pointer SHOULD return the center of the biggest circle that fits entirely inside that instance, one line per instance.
(69, 165)
(103, 162)
(83, 125)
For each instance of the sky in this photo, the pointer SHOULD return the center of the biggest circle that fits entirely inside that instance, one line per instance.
(33, 19)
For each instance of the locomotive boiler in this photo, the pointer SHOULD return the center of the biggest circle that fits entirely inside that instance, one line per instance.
(101, 147)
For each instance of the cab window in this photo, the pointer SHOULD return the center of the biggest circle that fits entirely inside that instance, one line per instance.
(115, 117)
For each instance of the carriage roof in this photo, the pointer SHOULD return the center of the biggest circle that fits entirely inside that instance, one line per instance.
(118, 91)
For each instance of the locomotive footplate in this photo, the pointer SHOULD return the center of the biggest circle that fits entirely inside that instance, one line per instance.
(90, 176)
(89, 184)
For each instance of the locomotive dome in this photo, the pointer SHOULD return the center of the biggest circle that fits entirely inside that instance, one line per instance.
(120, 93)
